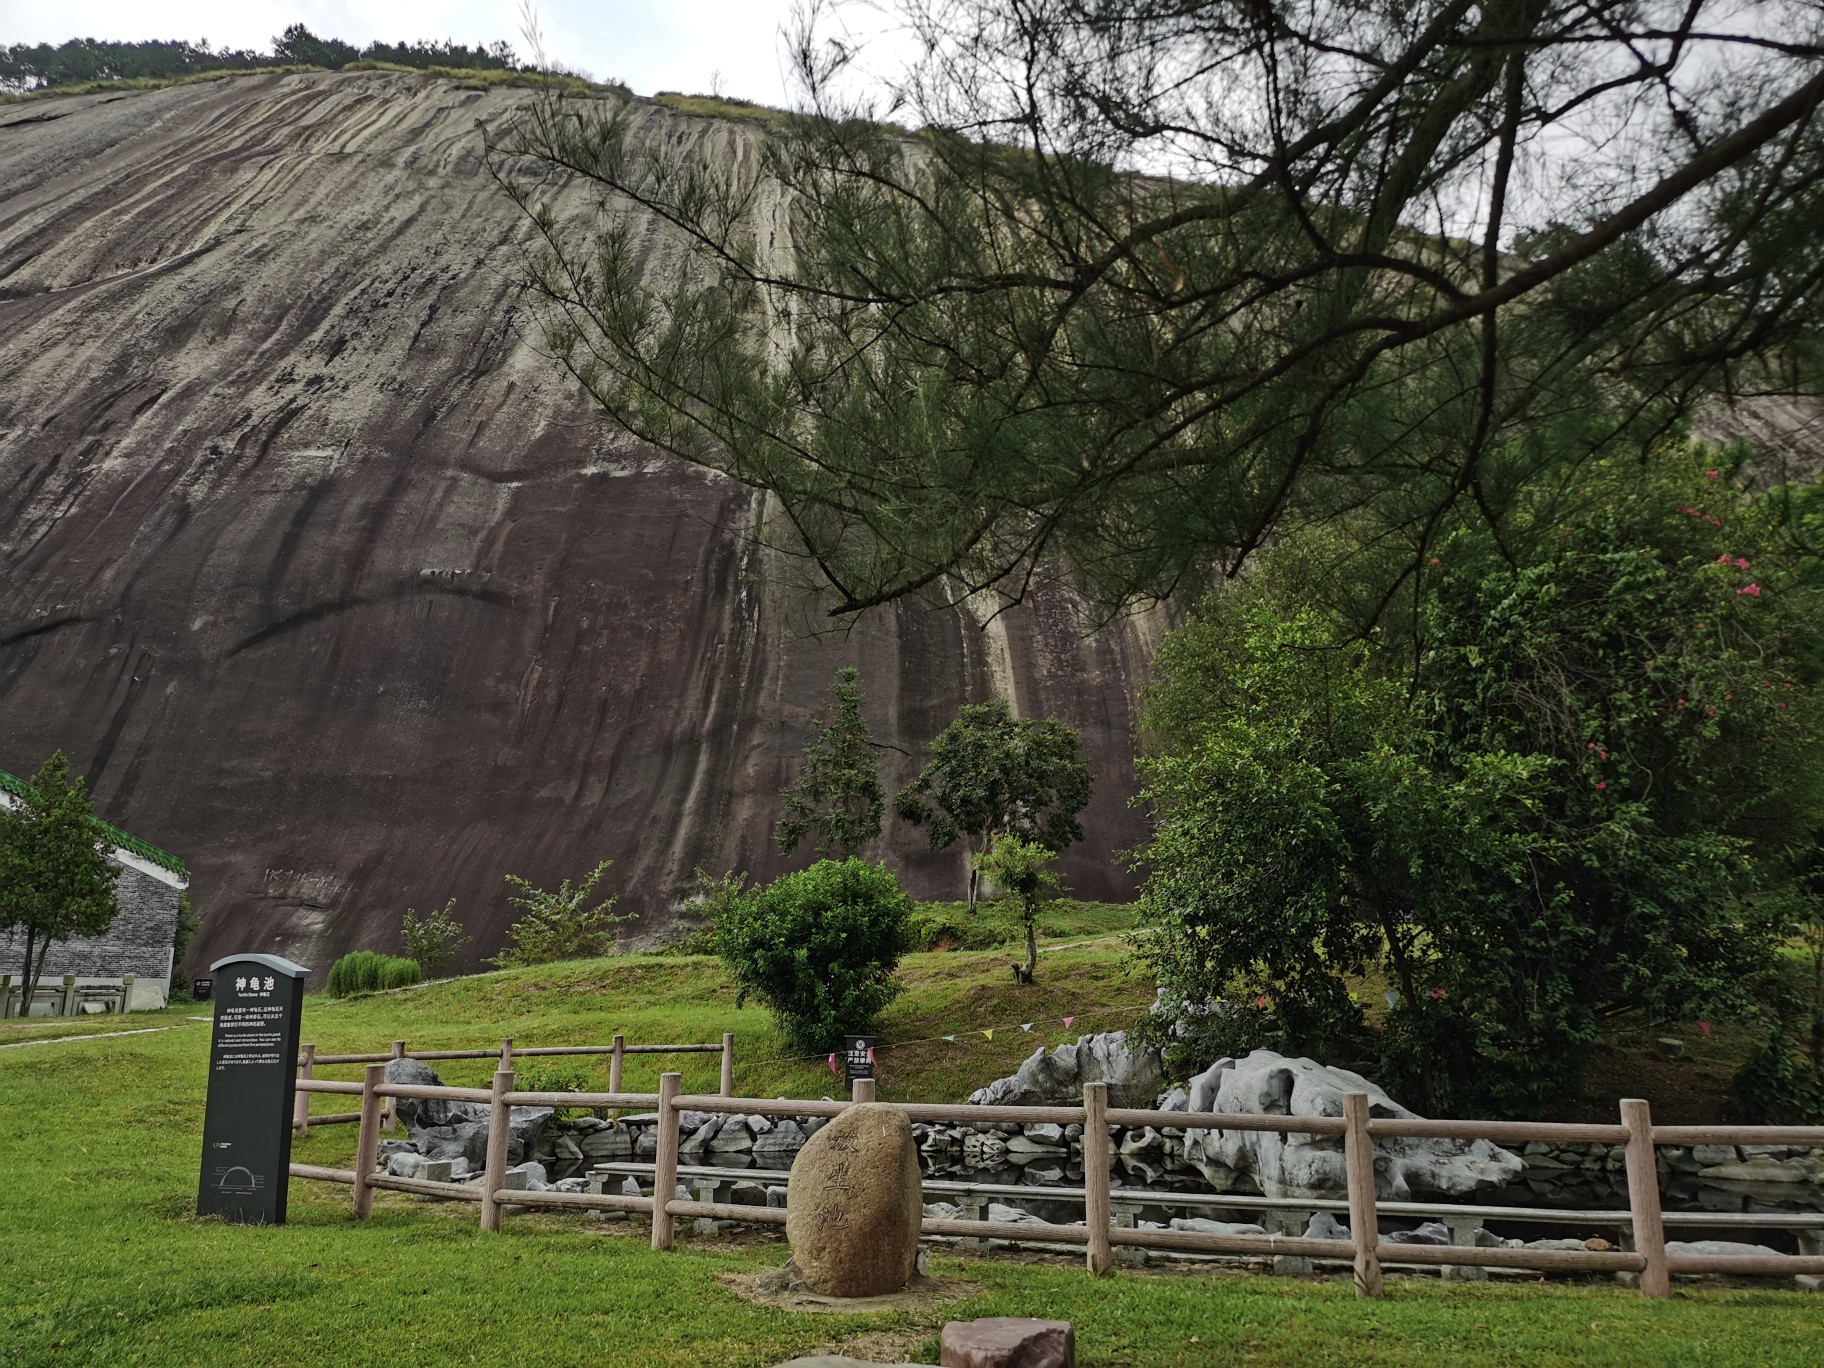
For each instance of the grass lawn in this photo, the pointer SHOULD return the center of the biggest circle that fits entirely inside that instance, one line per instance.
(101, 1260)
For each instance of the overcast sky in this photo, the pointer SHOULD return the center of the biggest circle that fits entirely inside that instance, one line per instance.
(652, 46)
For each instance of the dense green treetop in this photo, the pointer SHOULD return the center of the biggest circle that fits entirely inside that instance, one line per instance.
(42, 66)
(989, 772)
(1561, 796)
(56, 882)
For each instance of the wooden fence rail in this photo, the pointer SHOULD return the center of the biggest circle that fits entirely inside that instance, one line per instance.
(1365, 1250)
(309, 1060)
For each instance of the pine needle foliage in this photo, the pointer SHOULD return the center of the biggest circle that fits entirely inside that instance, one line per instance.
(836, 800)
(1152, 284)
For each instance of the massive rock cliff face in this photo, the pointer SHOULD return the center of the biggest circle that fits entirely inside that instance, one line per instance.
(332, 585)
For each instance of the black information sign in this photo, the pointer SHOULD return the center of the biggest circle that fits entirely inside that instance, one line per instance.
(252, 1073)
(201, 988)
(858, 1057)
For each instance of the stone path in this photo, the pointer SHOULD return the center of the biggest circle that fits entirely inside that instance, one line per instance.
(98, 1035)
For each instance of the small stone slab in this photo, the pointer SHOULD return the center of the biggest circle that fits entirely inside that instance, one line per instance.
(1009, 1342)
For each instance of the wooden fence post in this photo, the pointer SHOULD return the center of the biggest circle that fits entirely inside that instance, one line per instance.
(367, 1147)
(665, 1162)
(500, 1128)
(506, 1054)
(1364, 1220)
(1643, 1197)
(862, 1090)
(614, 1063)
(300, 1104)
(1101, 1257)
(728, 1064)
(389, 1117)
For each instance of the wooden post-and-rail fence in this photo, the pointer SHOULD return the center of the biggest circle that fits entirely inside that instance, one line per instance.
(309, 1060)
(1365, 1250)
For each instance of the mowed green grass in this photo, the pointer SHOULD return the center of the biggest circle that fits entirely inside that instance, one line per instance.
(102, 1261)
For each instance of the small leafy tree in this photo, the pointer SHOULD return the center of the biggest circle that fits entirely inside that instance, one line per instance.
(55, 882)
(704, 911)
(433, 940)
(836, 799)
(819, 948)
(560, 925)
(1022, 868)
(990, 773)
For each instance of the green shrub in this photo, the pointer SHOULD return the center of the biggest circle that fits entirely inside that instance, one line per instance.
(714, 897)
(560, 925)
(363, 971)
(819, 948)
(951, 926)
(557, 1075)
(433, 940)
(1779, 1085)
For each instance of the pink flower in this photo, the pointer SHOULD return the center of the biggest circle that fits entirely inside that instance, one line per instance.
(1752, 590)
(1436, 563)
(1712, 474)
(1741, 562)
(1704, 1026)
(1437, 994)
(1601, 785)
(1681, 702)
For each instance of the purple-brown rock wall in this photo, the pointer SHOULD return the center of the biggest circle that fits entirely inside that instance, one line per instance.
(335, 587)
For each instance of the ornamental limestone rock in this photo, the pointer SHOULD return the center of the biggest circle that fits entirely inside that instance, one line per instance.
(1056, 1077)
(1294, 1165)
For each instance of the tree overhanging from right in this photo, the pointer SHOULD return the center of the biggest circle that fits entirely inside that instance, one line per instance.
(1136, 286)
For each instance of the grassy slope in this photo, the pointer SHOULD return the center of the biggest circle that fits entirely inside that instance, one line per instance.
(101, 1260)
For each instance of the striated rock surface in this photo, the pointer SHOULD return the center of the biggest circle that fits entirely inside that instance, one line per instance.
(331, 584)
(854, 1205)
(1294, 1165)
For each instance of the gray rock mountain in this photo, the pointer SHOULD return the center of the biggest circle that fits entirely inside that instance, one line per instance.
(330, 583)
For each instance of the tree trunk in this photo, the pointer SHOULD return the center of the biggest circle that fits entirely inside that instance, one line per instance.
(1032, 948)
(25, 974)
(1396, 951)
(33, 972)
(44, 952)
(975, 878)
